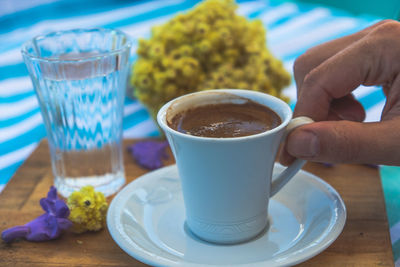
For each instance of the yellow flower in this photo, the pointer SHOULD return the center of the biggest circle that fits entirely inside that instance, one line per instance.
(166, 62)
(160, 78)
(202, 28)
(170, 73)
(186, 50)
(156, 51)
(243, 85)
(208, 47)
(170, 89)
(88, 210)
(203, 46)
(143, 47)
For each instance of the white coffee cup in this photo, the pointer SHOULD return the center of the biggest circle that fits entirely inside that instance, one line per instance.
(227, 182)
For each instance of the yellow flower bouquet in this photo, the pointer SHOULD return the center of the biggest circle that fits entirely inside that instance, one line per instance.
(209, 47)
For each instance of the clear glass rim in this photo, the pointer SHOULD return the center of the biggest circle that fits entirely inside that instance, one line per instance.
(123, 48)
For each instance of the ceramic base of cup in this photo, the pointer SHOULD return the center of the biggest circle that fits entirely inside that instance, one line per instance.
(227, 241)
(228, 233)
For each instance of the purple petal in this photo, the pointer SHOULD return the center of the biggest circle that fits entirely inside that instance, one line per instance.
(14, 233)
(38, 236)
(62, 210)
(149, 154)
(63, 223)
(52, 194)
(48, 225)
(48, 204)
(39, 228)
(52, 228)
(43, 228)
(41, 220)
(45, 204)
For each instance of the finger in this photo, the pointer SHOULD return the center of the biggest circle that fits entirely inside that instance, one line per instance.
(284, 157)
(361, 63)
(345, 141)
(346, 108)
(392, 105)
(318, 54)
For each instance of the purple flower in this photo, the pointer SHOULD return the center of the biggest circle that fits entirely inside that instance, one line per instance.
(45, 227)
(149, 154)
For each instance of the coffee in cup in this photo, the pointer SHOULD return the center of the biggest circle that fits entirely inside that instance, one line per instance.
(243, 117)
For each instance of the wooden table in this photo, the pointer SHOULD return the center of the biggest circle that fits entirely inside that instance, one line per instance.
(364, 241)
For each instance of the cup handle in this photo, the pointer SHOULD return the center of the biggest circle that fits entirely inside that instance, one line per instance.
(281, 179)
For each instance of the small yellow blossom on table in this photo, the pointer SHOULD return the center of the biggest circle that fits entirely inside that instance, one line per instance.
(88, 209)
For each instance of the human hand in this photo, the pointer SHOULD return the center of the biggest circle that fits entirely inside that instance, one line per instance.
(325, 77)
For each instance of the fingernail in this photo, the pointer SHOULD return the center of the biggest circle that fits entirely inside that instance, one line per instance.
(303, 144)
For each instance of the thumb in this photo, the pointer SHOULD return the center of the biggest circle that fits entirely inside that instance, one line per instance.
(347, 142)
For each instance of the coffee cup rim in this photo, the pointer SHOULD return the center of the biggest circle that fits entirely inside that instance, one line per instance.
(286, 110)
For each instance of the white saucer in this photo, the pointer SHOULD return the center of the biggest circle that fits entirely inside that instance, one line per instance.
(147, 220)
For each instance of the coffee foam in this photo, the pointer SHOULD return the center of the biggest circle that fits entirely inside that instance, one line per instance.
(200, 99)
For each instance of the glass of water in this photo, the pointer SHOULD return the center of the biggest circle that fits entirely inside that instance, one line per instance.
(80, 78)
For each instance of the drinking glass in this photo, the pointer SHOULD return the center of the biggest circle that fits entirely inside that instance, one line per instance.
(80, 78)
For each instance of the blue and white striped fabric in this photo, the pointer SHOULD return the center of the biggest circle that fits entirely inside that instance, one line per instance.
(291, 29)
